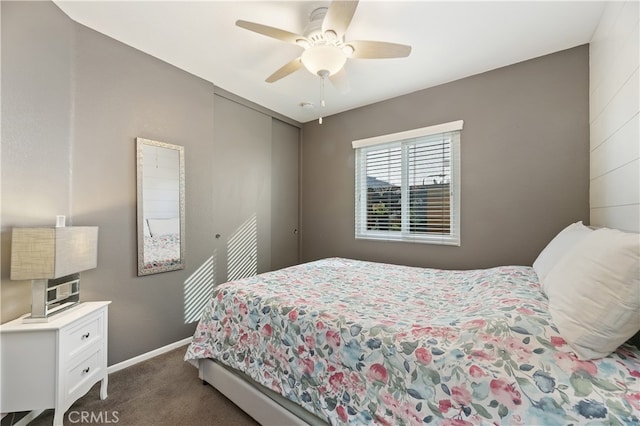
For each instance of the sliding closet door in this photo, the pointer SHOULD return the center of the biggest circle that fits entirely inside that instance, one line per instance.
(284, 194)
(242, 191)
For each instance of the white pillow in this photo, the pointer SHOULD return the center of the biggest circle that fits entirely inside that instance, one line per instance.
(594, 292)
(159, 227)
(558, 247)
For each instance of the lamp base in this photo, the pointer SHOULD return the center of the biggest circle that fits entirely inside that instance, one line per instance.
(50, 313)
(50, 297)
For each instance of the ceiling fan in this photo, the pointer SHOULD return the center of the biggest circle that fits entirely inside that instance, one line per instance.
(325, 49)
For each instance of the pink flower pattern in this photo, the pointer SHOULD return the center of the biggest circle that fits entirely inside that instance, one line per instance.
(377, 373)
(423, 355)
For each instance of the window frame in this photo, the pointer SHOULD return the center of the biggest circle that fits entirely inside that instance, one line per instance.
(404, 140)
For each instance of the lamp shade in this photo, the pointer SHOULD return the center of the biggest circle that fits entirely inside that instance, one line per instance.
(46, 253)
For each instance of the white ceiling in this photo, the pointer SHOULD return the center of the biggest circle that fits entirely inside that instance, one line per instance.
(450, 40)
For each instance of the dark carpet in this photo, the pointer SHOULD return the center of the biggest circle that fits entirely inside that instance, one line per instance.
(164, 390)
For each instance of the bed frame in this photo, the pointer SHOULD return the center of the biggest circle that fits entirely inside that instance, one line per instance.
(265, 406)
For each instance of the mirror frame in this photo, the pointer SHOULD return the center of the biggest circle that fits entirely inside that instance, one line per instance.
(140, 144)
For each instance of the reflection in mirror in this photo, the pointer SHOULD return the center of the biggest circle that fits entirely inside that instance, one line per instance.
(160, 170)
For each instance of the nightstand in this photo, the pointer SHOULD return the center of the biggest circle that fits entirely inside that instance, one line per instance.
(52, 364)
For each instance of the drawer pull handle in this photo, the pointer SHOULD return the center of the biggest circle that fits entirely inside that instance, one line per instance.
(86, 370)
(85, 336)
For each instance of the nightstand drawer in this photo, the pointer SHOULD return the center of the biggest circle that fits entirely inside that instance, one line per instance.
(80, 373)
(82, 335)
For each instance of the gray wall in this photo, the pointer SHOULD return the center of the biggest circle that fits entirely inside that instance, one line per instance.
(36, 128)
(73, 103)
(524, 164)
(120, 94)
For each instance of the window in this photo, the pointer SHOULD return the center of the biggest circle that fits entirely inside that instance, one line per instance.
(408, 186)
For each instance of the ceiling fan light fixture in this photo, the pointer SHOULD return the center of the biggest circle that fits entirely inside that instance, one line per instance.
(325, 50)
(323, 58)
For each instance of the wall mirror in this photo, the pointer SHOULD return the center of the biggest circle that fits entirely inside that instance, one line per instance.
(161, 227)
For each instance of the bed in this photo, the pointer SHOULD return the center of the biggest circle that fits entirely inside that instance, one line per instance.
(349, 341)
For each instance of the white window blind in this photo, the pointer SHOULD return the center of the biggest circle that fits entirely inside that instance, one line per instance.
(407, 186)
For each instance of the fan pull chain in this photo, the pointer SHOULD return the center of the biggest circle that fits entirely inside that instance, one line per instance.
(322, 104)
(323, 76)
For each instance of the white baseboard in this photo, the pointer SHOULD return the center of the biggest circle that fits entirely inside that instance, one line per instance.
(146, 356)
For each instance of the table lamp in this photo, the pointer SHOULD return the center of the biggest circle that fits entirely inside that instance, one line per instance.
(52, 258)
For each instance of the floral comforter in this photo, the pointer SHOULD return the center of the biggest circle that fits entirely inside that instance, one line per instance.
(368, 343)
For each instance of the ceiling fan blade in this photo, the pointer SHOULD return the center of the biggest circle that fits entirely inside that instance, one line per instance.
(340, 81)
(284, 71)
(339, 16)
(268, 31)
(364, 49)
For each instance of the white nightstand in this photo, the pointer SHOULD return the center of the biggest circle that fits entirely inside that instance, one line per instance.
(52, 364)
